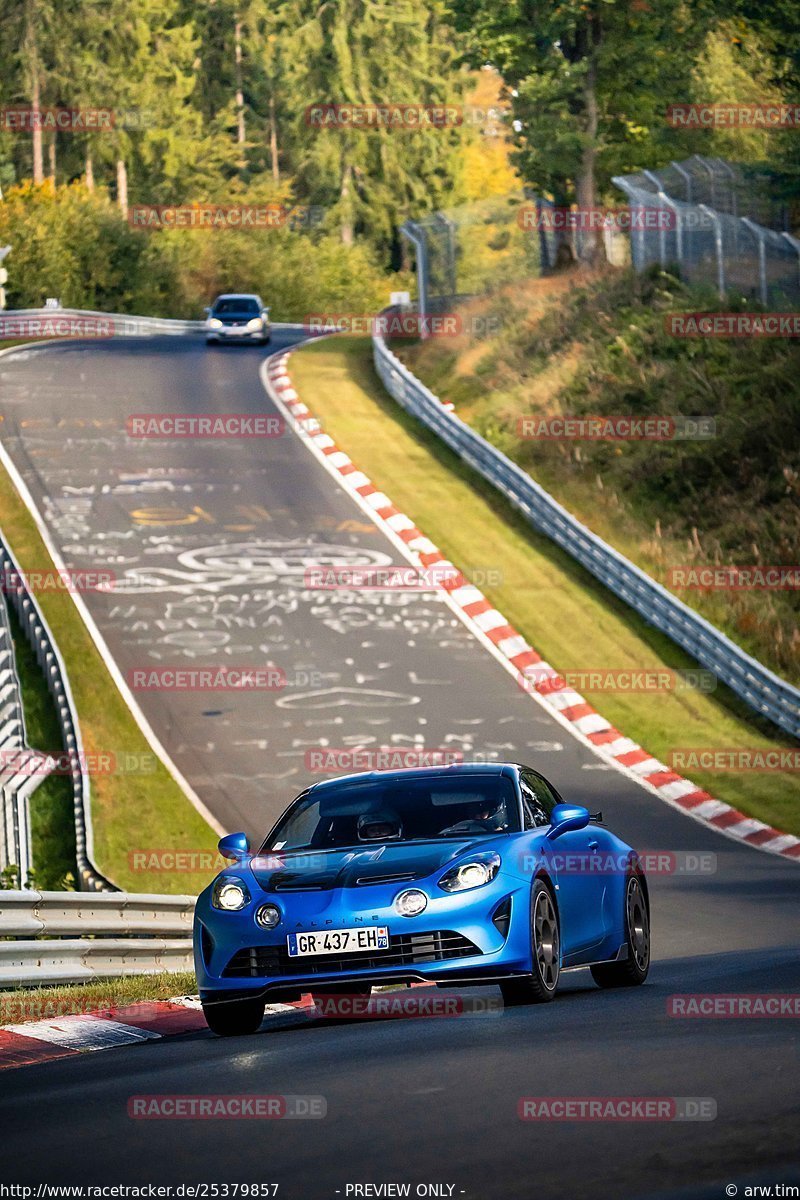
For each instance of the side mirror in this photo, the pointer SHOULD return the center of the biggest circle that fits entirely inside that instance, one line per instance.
(566, 817)
(234, 846)
(207, 311)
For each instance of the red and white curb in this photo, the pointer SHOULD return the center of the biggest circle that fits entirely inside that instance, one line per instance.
(65, 1036)
(78, 1033)
(541, 681)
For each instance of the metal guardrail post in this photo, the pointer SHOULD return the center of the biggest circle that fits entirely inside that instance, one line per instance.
(795, 244)
(662, 241)
(717, 223)
(637, 233)
(450, 236)
(726, 166)
(678, 227)
(758, 234)
(710, 170)
(417, 236)
(687, 179)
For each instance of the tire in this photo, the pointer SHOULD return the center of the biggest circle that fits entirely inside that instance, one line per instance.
(211, 341)
(233, 1018)
(540, 986)
(631, 971)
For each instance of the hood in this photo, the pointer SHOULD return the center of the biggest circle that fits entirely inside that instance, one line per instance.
(389, 863)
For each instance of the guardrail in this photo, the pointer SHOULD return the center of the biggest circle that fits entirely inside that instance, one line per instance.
(34, 322)
(765, 692)
(67, 937)
(45, 323)
(40, 963)
(21, 769)
(38, 633)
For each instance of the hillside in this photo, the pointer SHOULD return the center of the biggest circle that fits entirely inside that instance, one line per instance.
(583, 345)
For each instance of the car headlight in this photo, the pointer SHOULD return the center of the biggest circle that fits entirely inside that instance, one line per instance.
(410, 903)
(255, 323)
(474, 873)
(268, 916)
(230, 894)
(214, 323)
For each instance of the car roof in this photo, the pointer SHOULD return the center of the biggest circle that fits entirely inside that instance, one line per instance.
(238, 296)
(406, 773)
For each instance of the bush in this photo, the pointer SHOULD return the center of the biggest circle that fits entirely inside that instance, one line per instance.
(74, 244)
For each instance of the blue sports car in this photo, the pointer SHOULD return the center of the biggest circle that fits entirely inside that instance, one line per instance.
(459, 875)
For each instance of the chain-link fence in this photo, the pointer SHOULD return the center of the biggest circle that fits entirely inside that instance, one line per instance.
(471, 249)
(712, 221)
(700, 216)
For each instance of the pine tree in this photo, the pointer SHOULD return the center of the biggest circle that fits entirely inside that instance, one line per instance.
(357, 52)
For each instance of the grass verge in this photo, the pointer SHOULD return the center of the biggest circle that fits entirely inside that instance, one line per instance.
(575, 623)
(51, 805)
(584, 344)
(130, 812)
(41, 1004)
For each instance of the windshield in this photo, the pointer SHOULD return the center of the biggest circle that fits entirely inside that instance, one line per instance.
(399, 810)
(236, 304)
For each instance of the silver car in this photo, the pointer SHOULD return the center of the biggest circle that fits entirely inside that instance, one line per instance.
(237, 317)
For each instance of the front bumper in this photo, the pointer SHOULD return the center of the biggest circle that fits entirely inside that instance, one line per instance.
(237, 333)
(456, 939)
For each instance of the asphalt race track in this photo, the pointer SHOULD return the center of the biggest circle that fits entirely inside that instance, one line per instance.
(209, 542)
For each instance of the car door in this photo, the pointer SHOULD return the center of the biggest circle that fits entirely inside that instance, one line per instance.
(575, 861)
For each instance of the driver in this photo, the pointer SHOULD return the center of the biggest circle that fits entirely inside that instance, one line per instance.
(384, 826)
(490, 818)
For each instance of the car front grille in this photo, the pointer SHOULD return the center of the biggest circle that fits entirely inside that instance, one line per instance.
(405, 950)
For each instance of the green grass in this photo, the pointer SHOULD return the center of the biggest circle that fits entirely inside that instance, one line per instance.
(130, 812)
(568, 617)
(599, 345)
(51, 805)
(39, 1004)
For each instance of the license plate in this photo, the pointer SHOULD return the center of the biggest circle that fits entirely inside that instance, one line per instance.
(339, 941)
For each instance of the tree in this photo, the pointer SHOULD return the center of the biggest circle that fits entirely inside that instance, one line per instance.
(353, 52)
(139, 59)
(591, 81)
